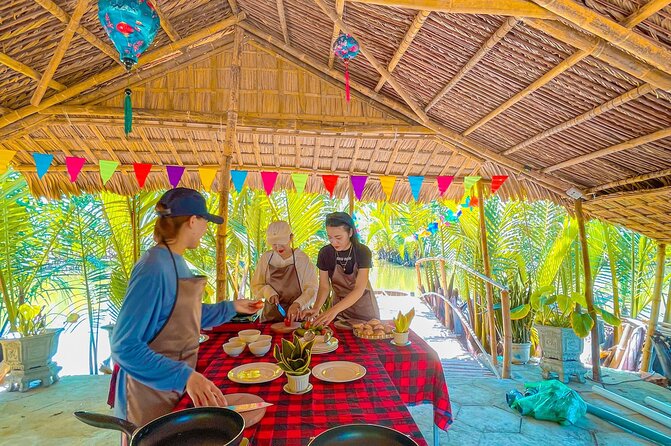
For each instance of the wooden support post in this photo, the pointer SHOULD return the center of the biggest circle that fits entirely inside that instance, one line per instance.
(488, 272)
(596, 365)
(419, 278)
(446, 291)
(667, 309)
(229, 145)
(507, 334)
(654, 312)
(350, 196)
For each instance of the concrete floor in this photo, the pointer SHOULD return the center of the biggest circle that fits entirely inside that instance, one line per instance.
(43, 416)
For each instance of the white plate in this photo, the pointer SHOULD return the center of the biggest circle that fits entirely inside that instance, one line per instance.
(319, 349)
(338, 371)
(255, 373)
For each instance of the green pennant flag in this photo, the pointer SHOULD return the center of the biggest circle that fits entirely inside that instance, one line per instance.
(107, 169)
(469, 182)
(300, 180)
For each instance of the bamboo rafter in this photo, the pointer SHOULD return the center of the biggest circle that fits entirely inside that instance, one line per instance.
(518, 8)
(283, 21)
(63, 45)
(355, 155)
(334, 157)
(418, 147)
(631, 180)
(27, 71)
(299, 152)
(233, 4)
(410, 35)
(340, 8)
(170, 30)
(486, 47)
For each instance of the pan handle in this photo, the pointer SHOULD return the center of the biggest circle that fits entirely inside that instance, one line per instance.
(106, 422)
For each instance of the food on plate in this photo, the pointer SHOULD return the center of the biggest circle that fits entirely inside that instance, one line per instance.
(287, 322)
(373, 328)
(358, 326)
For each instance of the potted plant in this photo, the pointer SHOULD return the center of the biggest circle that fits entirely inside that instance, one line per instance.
(402, 327)
(521, 319)
(294, 358)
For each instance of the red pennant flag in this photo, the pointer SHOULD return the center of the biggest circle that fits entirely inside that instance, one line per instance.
(497, 181)
(474, 201)
(269, 179)
(74, 166)
(141, 172)
(330, 183)
(444, 183)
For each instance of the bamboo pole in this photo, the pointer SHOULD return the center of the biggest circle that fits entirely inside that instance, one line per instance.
(112, 73)
(630, 180)
(647, 10)
(507, 334)
(493, 40)
(521, 8)
(340, 8)
(446, 291)
(410, 35)
(607, 53)
(614, 282)
(63, 45)
(667, 308)
(229, 143)
(283, 21)
(621, 346)
(589, 286)
(27, 71)
(350, 198)
(488, 273)
(654, 311)
(419, 278)
(170, 30)
(616, 34)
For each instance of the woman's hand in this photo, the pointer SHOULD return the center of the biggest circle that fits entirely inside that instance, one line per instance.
(294, 312)
(246, 306)
(274, 299)
(325, 318)
(203, 392)
(308, 313)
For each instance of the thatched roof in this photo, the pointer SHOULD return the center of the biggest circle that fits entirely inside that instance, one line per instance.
(557, 95)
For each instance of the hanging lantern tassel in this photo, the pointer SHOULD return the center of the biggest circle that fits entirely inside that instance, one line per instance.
(347, 80)
(346, 48)
(127, 112)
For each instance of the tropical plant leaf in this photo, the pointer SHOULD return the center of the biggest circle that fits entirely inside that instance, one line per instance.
(581, 323)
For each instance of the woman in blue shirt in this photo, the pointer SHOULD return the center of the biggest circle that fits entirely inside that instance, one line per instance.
(155, 340)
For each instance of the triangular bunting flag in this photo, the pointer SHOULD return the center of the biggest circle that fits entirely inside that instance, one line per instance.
(443, 183)
(330, 182)
(238, 177)
(387, 183)
(497, 181)
(107, 169)
(5, 157)
(174, 174)
(74, 166)
(474, 201)
(207, 176)
(141, 172)
(269, 179)
(300, 180)
(469, 182)
(42, 163)
(415, 186)
(358, 184)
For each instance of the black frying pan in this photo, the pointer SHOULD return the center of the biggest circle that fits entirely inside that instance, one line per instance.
(362, 434)
(202, 426)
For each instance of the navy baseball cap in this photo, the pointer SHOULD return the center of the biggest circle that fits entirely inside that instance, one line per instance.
(182, 201)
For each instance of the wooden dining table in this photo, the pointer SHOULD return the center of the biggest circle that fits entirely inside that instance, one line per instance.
(395, 377)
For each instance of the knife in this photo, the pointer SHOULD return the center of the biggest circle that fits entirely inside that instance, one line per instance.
(247, 407)
(281, 310)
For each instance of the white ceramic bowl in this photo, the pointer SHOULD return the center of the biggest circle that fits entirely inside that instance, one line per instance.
(267, 338)
(234, 348)
(249, 336)
(238, 340)
(259, 348)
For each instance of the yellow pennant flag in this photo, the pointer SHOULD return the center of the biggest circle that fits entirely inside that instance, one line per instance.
(207, 176)
(387, 183)
(5, 157)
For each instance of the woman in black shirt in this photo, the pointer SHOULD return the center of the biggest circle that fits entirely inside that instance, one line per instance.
(344, 265)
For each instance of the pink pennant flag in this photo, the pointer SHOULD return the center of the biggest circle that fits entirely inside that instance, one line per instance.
(74, 166)
(443, 183)
(497, 181)
(269, 179)
(174, 174)
(358, 184)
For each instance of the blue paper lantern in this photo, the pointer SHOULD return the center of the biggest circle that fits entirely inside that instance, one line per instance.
(346, 48)
(131, 25)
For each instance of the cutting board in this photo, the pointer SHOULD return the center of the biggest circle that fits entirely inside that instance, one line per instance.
(279, 327)
(253, 416)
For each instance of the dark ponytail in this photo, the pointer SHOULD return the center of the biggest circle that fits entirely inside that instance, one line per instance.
(343, 220)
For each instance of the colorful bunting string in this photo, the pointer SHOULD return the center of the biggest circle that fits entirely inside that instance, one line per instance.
(42, 163)
(141, 172)
(330, 182)
(74, 166)
(239, 176)
(207, 176)
(469, 182)
(497, 182)
(5, 157)
(174, 174)
(107, 169)
(387, 183)
(443, 183)
(358, 185)
(269, 179)
(300, 180)
(415, 186)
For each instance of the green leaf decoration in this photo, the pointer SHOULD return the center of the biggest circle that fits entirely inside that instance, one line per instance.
(582, 323)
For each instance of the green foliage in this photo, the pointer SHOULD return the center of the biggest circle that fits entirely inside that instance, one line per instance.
(402, 321)
(294, 357)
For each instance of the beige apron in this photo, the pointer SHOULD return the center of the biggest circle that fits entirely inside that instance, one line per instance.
(286, 288)
(342, 283)
(177, 340)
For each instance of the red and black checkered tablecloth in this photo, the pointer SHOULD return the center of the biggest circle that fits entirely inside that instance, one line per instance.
(415, 370)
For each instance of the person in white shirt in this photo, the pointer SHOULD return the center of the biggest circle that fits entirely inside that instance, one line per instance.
(284, 275)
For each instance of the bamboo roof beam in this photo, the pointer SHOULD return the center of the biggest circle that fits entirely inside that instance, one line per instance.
(283, 21)
(355, 155)
(467, 147)
(257, 149)
(340, 8)
(4, 110)
(233, 4)
(112, 73)
(647, 10)
(91, 38)
(612, 56)
(493, 40)
(172, 33)
(635, 142)
(410, 35)
(68, 34)
(589, 114)
(27, 71)
(518, 8)
(630, 180)
(616, 34)
(374, 62)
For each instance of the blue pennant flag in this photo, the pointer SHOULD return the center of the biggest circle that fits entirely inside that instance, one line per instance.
(42, 162)
(238, 177)
(415, 186)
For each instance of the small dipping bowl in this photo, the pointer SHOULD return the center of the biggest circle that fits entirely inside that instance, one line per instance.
(234, 348)
(249, 336)
(259, 348)
(267, 338)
